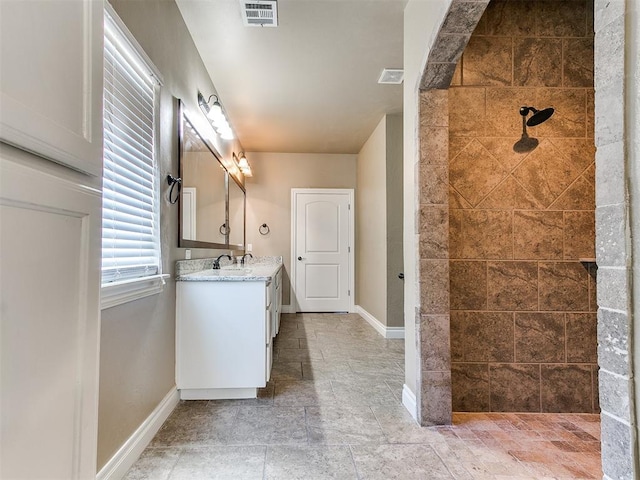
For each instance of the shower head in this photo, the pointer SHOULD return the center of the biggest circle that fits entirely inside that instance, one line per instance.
(538, 117)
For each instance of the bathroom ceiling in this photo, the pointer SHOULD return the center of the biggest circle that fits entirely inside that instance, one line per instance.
(308, 85)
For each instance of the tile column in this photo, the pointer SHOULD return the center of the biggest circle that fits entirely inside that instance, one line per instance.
(432, 225)
(432, 329)
(614, 244)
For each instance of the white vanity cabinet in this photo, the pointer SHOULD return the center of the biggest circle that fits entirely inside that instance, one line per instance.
(224, 334)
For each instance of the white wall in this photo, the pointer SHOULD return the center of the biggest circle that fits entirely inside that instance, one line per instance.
(269, 196)
(371, 224)
(422, 19)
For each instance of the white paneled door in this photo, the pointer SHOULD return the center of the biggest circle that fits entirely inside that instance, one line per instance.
(322, 260)
(49, 324)
(51, 80)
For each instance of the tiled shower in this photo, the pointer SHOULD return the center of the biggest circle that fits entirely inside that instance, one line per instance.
(521, 223)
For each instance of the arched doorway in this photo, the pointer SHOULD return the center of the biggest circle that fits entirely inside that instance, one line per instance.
(433, 335)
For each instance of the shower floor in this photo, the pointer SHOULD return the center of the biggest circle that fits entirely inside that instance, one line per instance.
(528, 446)
(333, 410)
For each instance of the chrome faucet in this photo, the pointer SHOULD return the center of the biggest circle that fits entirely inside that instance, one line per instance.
(243, 257)
(216, 262)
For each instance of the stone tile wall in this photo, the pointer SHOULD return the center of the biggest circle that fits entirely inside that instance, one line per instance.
(617, 195)
(523, 307)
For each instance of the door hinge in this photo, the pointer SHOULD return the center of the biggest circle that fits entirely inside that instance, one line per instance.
(348, 206)
(348, 293)
(348, 249)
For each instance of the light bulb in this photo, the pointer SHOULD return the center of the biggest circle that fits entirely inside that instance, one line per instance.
(215, 111)
(221, 124)
(242, 163)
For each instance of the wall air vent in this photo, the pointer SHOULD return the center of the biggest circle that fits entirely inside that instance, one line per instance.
(259, 13)
(393, 76)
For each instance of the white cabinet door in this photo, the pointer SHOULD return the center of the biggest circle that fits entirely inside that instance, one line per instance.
(49, 328)
(51, 80)
(221, 334)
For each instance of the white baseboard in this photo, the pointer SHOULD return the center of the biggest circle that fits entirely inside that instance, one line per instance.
(126, 456)
(217, 393)
(386, 332)
(288, 309)
(409, 401)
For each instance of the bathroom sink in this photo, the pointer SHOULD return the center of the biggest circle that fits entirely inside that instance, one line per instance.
(255, 272)
(235, 270)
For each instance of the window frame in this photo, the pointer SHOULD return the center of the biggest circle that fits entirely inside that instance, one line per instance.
(123, 291)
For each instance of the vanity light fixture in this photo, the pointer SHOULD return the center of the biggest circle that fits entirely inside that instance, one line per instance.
(243, 164)
(215, 114)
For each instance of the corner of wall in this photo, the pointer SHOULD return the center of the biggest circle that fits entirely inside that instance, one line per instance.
(421, 23)
(371, 224)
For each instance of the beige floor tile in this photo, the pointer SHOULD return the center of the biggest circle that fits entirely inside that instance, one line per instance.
(286, 371)
(363, 392)
(334, 404)
(269, 426)
(401, 462)
(342, 425)
(375, 366)
(303, 393)
(304, 463)
(154, 464)
(204, 425)
(220, 463)
(297, 355)
(323, 370)
(295, 332)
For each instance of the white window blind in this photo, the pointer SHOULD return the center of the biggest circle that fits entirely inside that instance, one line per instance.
(130, 207)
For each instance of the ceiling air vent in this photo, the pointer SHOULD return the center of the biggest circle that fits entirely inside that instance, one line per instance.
(259, 13)
(391, 75)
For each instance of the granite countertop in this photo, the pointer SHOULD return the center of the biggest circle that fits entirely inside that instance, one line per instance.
(261, 270)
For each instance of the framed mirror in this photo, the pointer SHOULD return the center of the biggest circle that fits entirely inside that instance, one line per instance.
(203, 199)
(237, 210)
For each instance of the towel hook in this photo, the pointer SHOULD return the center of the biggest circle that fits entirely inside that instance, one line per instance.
(173, 181)
(264, 229)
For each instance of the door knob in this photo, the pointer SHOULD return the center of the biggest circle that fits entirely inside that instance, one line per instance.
(401, 276)
(299, 258)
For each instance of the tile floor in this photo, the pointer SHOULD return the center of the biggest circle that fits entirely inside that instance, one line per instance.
(332, 410)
